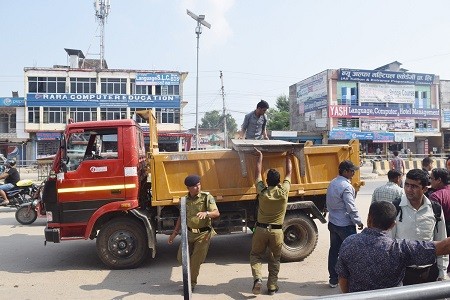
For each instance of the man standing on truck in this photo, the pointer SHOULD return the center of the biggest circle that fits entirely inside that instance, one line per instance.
(200, 209)
(268, 229)
(342, 214)
(254, 125)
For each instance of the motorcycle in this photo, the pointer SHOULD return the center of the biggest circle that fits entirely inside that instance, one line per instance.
(22, 193)
(27, 213)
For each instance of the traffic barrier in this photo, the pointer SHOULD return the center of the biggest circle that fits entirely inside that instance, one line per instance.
(381, 167)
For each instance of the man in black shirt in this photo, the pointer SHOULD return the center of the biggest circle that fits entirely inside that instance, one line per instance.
(11, 177)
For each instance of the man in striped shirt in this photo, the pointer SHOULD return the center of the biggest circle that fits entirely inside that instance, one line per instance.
(391, 190)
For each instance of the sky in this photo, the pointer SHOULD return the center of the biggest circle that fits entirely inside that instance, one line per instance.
(261, 46)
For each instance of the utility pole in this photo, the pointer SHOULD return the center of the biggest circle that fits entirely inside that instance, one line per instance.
(225, 131)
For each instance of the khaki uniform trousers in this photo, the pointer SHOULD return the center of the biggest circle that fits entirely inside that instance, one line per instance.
(266, 238)
(198, 249)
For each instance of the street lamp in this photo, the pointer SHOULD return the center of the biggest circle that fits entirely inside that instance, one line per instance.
(198, 30)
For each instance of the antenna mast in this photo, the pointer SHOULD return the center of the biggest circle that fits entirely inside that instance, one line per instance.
(225, 131)
(102, 8)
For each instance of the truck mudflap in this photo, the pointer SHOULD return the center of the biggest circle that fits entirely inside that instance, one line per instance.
(308, 206)
(149, 228)
(52, 235)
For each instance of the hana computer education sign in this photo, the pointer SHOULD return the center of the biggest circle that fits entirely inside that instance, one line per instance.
(103, 100)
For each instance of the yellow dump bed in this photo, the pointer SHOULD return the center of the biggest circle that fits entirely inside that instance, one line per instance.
(229, 174)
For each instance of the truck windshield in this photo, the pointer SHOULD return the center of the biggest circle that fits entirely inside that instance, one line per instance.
(91, 144)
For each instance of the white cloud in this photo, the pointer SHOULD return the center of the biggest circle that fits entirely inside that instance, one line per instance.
(215, 12)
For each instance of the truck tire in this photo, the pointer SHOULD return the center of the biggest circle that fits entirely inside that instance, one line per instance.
(122, 244)
(300, 237)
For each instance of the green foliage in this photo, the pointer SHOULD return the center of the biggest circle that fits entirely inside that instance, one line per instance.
(278, 118)
(214, 120)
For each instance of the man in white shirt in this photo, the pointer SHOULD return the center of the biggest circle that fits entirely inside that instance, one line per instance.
(416, 221)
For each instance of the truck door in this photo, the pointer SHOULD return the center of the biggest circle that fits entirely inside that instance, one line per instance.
(94, 174)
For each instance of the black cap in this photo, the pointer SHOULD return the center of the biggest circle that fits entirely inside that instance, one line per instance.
(347, 165)
(192, 180)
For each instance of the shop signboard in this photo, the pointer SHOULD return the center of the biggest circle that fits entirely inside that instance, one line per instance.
(353, 111)
(385, 77)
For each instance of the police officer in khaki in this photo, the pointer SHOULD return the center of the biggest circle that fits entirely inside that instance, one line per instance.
(200, 209)
(268, 232)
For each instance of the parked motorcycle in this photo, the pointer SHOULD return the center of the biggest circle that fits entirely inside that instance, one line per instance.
(28, 212)
(22, 193)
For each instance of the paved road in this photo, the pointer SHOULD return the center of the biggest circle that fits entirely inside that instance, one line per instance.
(71, 270)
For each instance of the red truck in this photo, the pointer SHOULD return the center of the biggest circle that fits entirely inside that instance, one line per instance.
(105, 185)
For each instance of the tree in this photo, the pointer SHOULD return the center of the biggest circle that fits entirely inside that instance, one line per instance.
(278, 118)
(214, 120)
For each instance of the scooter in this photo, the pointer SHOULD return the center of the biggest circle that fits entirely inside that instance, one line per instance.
(22, 193)
(28, 212)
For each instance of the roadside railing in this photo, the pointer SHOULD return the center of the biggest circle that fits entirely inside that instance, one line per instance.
(424, 291)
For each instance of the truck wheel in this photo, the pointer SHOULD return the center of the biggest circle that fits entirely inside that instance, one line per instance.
(300, 237)
(26, 215)
(122, 244)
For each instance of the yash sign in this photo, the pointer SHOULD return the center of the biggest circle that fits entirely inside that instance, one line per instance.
(347, 111)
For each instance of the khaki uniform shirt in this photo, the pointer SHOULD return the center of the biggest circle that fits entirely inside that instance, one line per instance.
(204, 201)
(272, 202)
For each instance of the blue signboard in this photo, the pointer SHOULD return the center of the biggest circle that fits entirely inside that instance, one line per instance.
(383, 137)
(313, 105)
(385, 77)
(103, 100)
(157, 79)
(337, 134)
(12, 102)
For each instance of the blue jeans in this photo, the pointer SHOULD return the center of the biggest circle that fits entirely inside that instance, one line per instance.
(337, 235)
(6, 187)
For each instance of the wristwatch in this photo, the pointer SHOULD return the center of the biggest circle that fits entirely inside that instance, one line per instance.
(207, 213)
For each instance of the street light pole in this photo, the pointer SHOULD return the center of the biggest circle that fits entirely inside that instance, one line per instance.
(198, 30)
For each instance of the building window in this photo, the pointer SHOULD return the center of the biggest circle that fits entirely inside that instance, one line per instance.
(114, 86)
(46, 84)
(135, 116)
(55, 115)
(422, 124)
(83, 85)
(33, 115)
(81, 114)
(140, 89)
(348, 123)
(167, 115)
(165, 90)
(7, 123)
(113, 113)
(348, 96)
(400, 105)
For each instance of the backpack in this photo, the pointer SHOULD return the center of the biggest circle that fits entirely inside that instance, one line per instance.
(437, 209)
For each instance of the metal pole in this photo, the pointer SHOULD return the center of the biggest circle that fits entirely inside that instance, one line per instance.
(225, 131)
(431, 290)
(198, 31)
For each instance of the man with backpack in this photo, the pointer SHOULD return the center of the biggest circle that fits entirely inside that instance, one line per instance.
(420, 219)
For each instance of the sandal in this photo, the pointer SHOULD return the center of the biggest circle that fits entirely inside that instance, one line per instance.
(4, 203)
